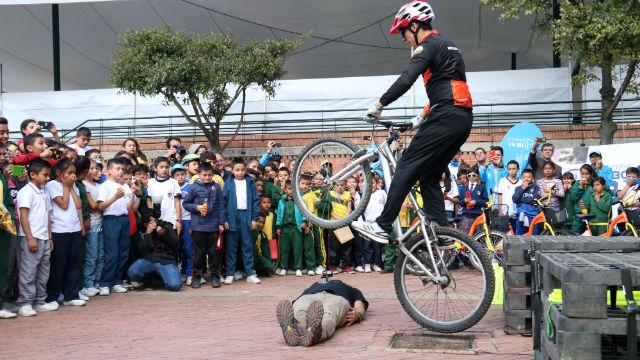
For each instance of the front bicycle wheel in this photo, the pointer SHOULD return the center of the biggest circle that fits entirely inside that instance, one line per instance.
(326, 203)
(450, 306)
(497, 241)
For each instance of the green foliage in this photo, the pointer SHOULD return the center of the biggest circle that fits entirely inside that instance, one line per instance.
(187, 68)
(593, 33)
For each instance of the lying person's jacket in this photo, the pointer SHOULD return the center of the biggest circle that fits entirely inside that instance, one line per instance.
(158, 249)
(337, 287)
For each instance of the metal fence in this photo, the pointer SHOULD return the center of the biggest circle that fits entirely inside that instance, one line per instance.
(292, 124)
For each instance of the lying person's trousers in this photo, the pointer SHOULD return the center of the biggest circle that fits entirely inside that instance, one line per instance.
(335, 311)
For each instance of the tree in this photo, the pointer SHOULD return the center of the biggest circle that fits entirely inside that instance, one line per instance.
(190, 69)
(593, 33)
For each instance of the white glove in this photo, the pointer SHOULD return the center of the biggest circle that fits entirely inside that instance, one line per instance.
(374, 110)
(417, 121)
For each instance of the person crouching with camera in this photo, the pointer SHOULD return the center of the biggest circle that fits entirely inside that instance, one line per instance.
(321, 309)
(159, 246)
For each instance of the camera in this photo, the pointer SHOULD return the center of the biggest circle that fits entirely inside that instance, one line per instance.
(180, 150)
(46, 125)
(57, 148)
(156, 212)
(326, 274)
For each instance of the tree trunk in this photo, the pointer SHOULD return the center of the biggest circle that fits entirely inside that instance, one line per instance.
(607, 127)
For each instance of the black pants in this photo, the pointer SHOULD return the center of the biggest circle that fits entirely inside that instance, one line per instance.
(205, 244)
(339, 254)
(429, 153)
(64, 276)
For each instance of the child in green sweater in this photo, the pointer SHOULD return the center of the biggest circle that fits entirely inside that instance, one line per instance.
(599, 203)
(579, 191)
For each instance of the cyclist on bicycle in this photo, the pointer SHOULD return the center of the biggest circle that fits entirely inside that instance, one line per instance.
(443, 126)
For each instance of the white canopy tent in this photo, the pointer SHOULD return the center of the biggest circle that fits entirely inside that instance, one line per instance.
(349, 37)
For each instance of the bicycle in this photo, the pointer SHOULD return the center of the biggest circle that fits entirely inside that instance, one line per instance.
(551, 220)
(492, 232)
(630, 220)
(440, 298)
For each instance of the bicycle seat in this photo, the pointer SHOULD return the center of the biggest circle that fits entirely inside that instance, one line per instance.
(585, 216)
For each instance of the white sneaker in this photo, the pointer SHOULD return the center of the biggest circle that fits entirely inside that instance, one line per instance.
(76, 302)
(238, 275)
(367, 268)
(319, 270)
(89, 292)
(103, 291)
(27, 310)
(253, 279)
(4, 314)
(135, 285)
(50, 306)
(82, 296)
(371, 230)
(359, 269)
(377, 268)
(282, 272)
(202, 280)
(189, 279)
(229, 280)
(298, 273)
(10, 307)
(118, 289)
(311, 273)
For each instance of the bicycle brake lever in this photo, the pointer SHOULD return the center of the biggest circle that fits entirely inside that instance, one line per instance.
(370, 119)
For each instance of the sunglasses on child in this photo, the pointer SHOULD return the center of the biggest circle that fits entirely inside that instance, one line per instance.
(472, 175)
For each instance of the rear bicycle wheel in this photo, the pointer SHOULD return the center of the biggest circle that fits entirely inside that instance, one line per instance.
(321, 159)
(447, 307)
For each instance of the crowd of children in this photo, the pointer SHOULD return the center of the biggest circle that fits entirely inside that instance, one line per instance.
(75, 226)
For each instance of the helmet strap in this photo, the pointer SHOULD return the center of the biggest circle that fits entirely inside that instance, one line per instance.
(415, 33)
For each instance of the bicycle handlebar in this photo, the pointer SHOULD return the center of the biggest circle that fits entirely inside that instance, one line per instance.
(389, 125)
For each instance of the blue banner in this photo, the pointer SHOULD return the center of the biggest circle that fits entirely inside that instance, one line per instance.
(517, 143)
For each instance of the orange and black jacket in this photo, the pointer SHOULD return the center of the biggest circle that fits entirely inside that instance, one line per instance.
(440, 63)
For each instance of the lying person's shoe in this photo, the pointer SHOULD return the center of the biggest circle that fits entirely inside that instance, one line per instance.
(371, 230)
(313, 332)
(288, 323)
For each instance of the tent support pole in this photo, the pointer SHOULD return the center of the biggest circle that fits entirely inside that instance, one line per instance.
(55, 30)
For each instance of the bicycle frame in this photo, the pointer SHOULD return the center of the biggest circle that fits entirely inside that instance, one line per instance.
(622, 218)
(482, 220)
(388, 162)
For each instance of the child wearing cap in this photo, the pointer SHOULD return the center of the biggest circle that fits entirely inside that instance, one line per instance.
(179, 173)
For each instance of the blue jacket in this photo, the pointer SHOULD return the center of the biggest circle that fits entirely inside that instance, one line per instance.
(492, 176)
(479, 194)
(196, 195)
(280, 214)
(524, 199)
(231, 204)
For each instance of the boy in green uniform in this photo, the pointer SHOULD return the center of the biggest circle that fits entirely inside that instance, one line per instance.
(289, 228)
(263, 263)
(306, 226)
(579, 191)
(322, 207)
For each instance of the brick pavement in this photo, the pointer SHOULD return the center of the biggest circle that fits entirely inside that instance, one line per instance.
(233, 322)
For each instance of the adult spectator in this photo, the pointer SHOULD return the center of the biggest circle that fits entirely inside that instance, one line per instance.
(159, 247)
(174, 144)
(481, 156)
(455, 163)
(495, 171)
(319, 311)
(197, 149)
(595, 158)
(538, 158)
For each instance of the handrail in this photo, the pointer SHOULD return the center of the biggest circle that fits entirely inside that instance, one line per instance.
(107, 128)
